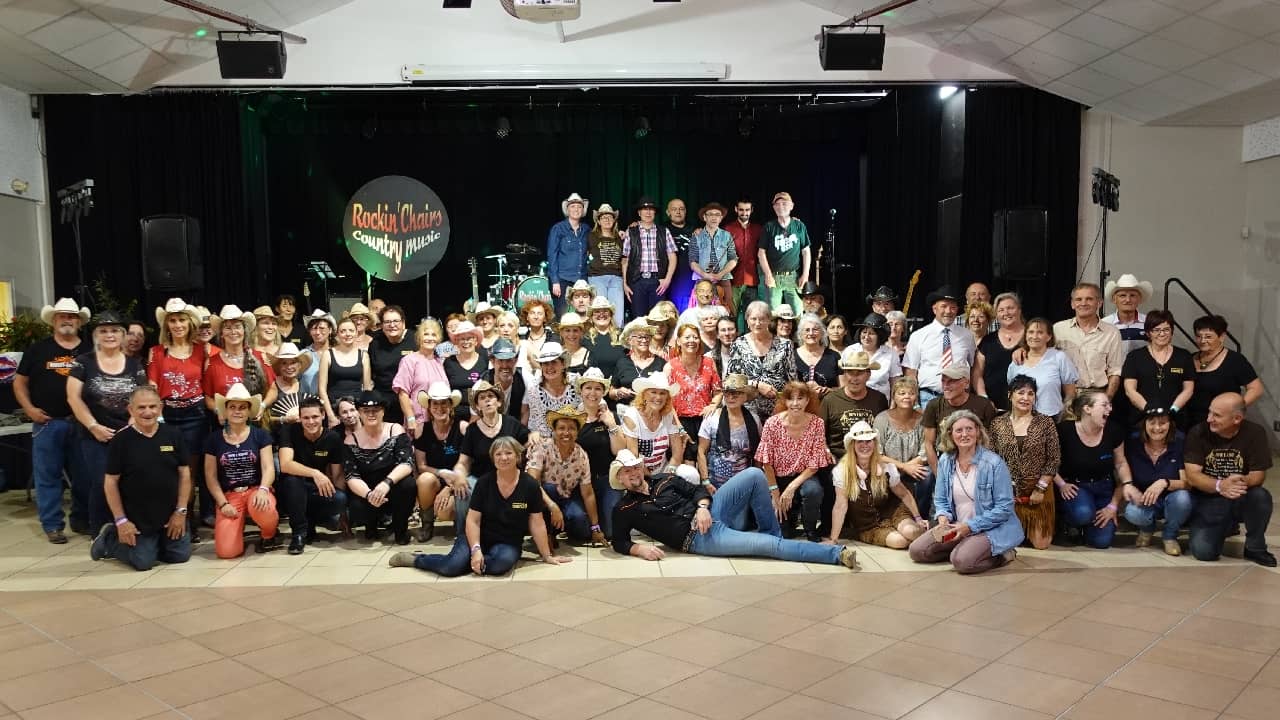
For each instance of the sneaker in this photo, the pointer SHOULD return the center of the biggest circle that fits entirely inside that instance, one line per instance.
(98, 549)
(402, 559)
(57, 537)
(849, 557)
(1144, 539)
(265, 545)
(1171, 547)
(1262, 557)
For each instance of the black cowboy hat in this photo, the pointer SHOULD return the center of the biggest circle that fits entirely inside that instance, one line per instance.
(943, 293)
(878, 323)
(883, 293)
(370, 398)
(106, 318)
(645, 202)
(811, 288)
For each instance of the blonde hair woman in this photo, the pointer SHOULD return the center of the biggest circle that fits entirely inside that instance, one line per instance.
(883, 511)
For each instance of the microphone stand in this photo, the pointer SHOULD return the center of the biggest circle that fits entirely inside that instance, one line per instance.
(830, 245)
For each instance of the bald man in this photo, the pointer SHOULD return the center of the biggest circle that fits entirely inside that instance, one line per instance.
(1227, 458)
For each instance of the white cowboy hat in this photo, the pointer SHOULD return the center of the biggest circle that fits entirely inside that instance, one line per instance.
(600, 302)
(485, 308)
(592, 375)
(289, 351)
(624, 459)
(861, 430)
(237, 392)
(785, 312)
(317, 315)
(175, 306)
(580, 286)
(853, 359)
(233, 312)
(550, 352)
(573, 198)
(639, 325)
(1128, 281)
(64, 305)
(464, 328)
(439, 390)
(656, 381)
(571, 319)
(604, 209)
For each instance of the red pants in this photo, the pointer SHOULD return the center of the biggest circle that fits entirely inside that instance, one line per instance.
(228, 533)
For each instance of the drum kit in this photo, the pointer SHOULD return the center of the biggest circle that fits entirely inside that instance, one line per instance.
(521, 278)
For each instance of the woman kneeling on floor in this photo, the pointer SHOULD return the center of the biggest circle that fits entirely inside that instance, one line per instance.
(239, 469)
(505, 504)
(883, 510)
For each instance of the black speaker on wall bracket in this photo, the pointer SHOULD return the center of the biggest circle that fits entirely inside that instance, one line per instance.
(851, 47)
(172, 255)
(1020, 243)
(251, 55)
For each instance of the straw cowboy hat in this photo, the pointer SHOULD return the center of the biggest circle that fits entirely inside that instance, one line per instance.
(237, 393)
(861, 430)
(639, 325)
(289, 351)
(624, 459)
(604, 209)
(853, 359)
(737, 382)
(358, 309)
(550, 352)
(592, 375)
(581, 286)
(205, 315)
(479, 387)
(463, 329)
(571, 319)
(566, 412)
(233, 312)
(573, 198)
(484, 308)
(64, 305)
(319, 315)
(656, 381)
(264, 311)
(175, 306)
(1128, 281)
(439, 391)
(785, 312)
(601, 302)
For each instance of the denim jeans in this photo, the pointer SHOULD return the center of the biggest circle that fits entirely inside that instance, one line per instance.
(576, 523)
(926, 395)
(784, 290)
(923, 491)
(461, 506)
(1174, 507)
(148, 548)
(93, 463)
(498, 559)
(304, 504)
(610, 287)
(644, 295)
(1078, 512)
(807, 504)
(606, 500)
(750, 489)
(1214, 516)
(54, 451)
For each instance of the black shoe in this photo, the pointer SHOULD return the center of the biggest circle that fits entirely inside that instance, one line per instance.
(1262, 557)
(296, 545)
(265, 545)
(402, 537)
(80, 528)
(98, 549)
(813, 537)
(371, 532)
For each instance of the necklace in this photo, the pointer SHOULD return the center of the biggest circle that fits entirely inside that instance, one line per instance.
(1204, 364)
(489, 425)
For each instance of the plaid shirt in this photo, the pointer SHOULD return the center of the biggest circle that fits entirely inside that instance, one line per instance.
(648, 246)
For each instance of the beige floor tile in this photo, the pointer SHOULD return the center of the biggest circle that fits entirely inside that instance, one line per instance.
(803, 603)
(378, 633)
(872, 691)
(329, 575)
(256, 576)
(1203, 657)
(208, 619)
(275, 559)
(56, 685)
(141, 663)
(923, 663)
(326, 713)
(1270, 674)
(1097, 636)
(1256, 702)
(803, 706)
(432, 652)
(702, 646)
(978, 587)
(568, 649)
(118, 703)
(1106, 703)
(36, 658)
(536, 570)
(515, 597)
(781, 667)
(634, 627)
(858, 588)
(271, 699)
(566, 697)
(235, 640)
(321, 619)
(496, 674)
(397, 598)
(758, 624)
(19, 635)
(719, 696)
(646, 709)
(294, 656)
(64, 625)
(348, 678)
(638, 671)
(1175, 599)
(506, 629)
(626, 592)
(952, 705)
(384, 575)
(27, 604)
(1042, 692)
(969, 639)
(1075, 582)
(935, 604)
(344, 557)
(121, 579)
(1040, 599)
(154, 605)
(570, 610)
(837, 643)
(1187, 687)
(1242, 636)
(739, 590)
(884, 621)
(690, 607)
(1140, 617)
(487, 711)
(1068, 661)
(767, 566)
(1246, 611)
(194, 684)
(185, 578)
(679, 565)
(623, 568)
(448, 614)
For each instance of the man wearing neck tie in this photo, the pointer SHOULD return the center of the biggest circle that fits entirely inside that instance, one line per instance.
(938, 345)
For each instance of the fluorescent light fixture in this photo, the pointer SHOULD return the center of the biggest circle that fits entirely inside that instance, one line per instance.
(946, 91)
(422, 73)
(875, 94)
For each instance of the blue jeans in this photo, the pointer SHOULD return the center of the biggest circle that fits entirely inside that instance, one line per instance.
(749, 489)
(783, 290)
(576, 523)
(923, 492)
(498, 559)
(149, 548)
(1215, 516)
(1174, 507)
(606, 500)
(93, 461)
(1078, 512)
(461, 506)
(926, 395)
(610, 287)
(644, 295)
(54, 451)
(194, 426)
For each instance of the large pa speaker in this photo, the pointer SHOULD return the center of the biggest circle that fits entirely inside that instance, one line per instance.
(1020, 243)
(261, 57)
(860, 47)
(172, 257)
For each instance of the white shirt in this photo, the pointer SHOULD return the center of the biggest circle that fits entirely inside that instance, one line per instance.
(924, 352)
(1133, 335)
(890, 368)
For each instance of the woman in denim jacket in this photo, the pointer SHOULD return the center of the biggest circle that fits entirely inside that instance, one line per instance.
(977, 529)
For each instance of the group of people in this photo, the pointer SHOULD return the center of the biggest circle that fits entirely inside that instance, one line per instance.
(958, 443)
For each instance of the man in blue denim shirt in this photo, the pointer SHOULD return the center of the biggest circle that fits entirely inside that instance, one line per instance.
(567, 249)
(713, 256)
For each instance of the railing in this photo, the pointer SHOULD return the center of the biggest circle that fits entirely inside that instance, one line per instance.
(1201, 305)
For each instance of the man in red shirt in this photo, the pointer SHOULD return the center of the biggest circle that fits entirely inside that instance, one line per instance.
(746, 237)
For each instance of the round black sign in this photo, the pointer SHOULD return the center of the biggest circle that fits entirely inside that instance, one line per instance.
(396, 228)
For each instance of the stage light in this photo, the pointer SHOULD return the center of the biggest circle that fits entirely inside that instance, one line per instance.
(503, 128)
(642, 127)
(946, 91)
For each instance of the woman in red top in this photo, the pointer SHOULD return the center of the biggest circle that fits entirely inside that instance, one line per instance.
(793, 448)
(236, 363)
(699, 383)
(176, 368)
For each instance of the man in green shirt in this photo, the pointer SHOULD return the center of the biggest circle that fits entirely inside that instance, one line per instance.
(784, 254)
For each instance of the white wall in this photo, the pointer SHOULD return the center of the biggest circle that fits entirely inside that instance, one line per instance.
(24, 232)
(1186, 200)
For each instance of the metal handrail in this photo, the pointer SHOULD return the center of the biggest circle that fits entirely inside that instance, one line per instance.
(1195, 299)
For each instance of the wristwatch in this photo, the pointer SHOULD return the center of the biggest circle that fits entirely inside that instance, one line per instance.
(180, 511)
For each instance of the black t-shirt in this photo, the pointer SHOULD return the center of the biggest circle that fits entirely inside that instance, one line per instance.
(46, 365)
(995, 370)
(107, 395)
(384, 359)
(505, 520)
(593, 438)
(826, 372)
(604, 354)
(240, 465)
(1159, 384)
(626, 372)
(1081, 463)
(148, 470)
(295, 332)
(1231, 376)
(475, 444)
(1219, 457)
(461, 378)
(440, 453)
(319, 454)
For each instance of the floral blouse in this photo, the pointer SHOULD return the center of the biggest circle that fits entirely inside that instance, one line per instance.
(788, 455)
(566, 475)
(776, 367)
(696, 391)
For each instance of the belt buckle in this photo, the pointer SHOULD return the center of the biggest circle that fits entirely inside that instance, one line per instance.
(239, 489)
(646, 276)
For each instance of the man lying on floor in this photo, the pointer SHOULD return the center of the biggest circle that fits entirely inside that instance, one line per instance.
(682, 515)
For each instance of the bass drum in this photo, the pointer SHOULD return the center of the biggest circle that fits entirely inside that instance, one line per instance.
(531, 289)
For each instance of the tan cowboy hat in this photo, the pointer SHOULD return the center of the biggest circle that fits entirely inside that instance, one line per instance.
(237, 392)
(784, 312)
(479, 387)
(571, 319)
(205, 316)
(1128, 281)
(439, 390)
(484, 308)
(854, 359)
(600, 302)
(861, 430)
(174, 306)
(580, 286)
(264, 311)
(566, 412)
(233, 312)
(737, 382)
(592, 375)
(64, 305)
(656, 381)
(573, 198)
(358, 309)
(639, 325)
(657, 315)
(550, 352)
(463, 329)
(289, 351)
(624, 459)
(604, 209)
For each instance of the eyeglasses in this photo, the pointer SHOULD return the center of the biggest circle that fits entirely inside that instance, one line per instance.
(1161, 331)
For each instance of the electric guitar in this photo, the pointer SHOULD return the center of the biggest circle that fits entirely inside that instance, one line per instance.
(911, 288)
(470, 305)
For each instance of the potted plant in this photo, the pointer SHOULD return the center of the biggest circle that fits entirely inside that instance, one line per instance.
(16, 336)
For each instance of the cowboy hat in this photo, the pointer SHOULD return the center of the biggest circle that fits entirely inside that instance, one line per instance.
(439, 390)
(601, 302)
(784, 312)
(479, 387)
(855, 359)
(358, 309)
(658, 315)
(319, 315)
(237, 393)
(861, 430)
(289, 351)
(712, 206)
(943, 293)
(463, 329)
(645, 202)
(176, 306)
(604, 209)
(264, 311)
(580, 286)
(737, 382)
(106, 318)
(484, 308)
(550, 352)
(1128, 281)
(566, 412)
(592, 375)
(503, 349)
(624, 459)
(571, 319)
(205, 316)
(573, 198)
(64, 305)
(811, 288)
(639, 325)
(878, 323)
(784, 195)
(883, 294)
(656, 381)
(233, 312)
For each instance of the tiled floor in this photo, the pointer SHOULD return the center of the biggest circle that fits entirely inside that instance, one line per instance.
(335, 633)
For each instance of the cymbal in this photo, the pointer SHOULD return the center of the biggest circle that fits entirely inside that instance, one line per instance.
(522, 249)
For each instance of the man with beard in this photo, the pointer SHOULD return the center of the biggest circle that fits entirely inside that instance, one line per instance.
(40, 387)
(567, 250)
(784, 254)
(855, 402)
(502, 374)
(386, 350)
(746, 242)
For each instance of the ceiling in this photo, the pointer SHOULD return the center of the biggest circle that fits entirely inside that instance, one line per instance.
(1184, 62)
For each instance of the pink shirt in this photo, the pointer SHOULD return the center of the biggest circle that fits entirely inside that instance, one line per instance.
(963, 487)
(788, 455)
(415, 373)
